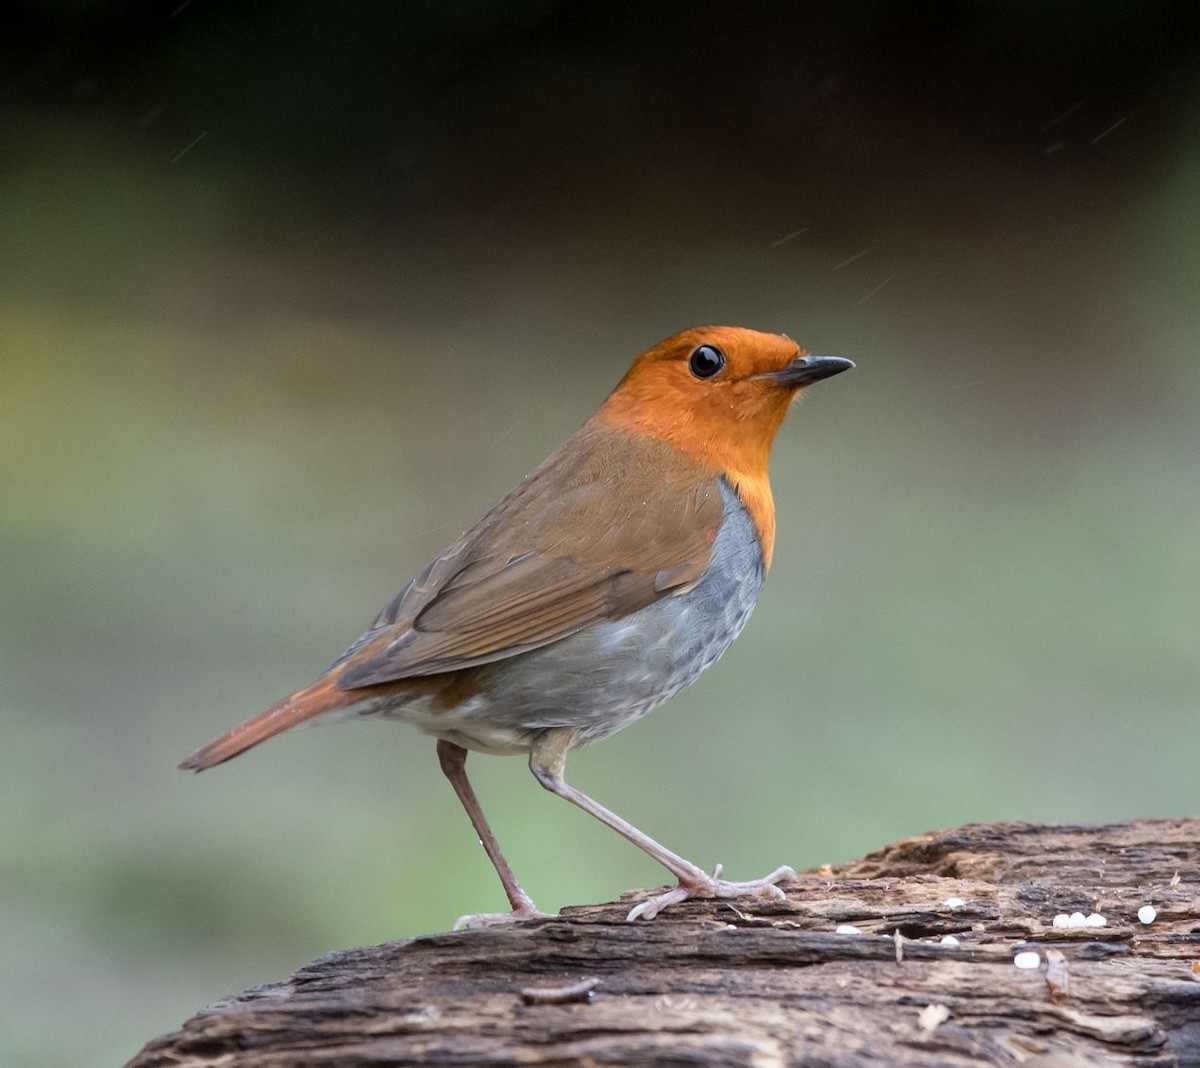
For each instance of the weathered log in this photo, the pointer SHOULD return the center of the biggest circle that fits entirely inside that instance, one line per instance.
(772, 983)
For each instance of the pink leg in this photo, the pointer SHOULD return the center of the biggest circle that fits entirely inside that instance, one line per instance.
(548, 760)
(453, 759)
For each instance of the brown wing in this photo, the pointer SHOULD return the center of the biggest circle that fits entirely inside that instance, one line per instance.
(607, 525)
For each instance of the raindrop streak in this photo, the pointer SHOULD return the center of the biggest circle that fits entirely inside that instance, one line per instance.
(190, 147)
(1104, 133)
(856, 256)
(153, 115)
(868, 295)
(1065, 115)
(788, 237)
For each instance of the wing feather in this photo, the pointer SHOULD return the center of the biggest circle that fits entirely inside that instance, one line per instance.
(607, 525)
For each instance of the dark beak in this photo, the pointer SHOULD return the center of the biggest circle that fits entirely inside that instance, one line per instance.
(805, 370)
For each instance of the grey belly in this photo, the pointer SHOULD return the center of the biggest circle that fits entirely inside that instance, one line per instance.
(601, 679)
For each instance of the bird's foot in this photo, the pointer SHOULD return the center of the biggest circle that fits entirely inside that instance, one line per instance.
(714, 886)
(478, 920)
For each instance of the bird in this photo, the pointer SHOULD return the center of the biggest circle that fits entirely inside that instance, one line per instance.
(607, 581)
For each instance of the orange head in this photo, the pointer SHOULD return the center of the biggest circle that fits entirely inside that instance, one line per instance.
(720, 394)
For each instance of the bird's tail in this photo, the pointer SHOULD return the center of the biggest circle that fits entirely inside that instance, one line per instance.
(321, 697)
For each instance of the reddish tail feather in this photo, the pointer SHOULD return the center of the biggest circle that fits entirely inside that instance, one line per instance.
(322, 696)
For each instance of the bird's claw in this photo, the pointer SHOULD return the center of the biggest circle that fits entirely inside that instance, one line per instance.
(479, 920)
(714, 886)
(651, 907)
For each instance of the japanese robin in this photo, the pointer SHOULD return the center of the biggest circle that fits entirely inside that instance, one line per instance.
(608, 580)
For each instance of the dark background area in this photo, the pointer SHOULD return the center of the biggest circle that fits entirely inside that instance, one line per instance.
(290, 292)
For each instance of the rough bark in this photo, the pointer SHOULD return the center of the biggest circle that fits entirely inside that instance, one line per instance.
(764, 983)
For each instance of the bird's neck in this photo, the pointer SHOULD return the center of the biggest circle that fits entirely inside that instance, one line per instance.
(755, 494)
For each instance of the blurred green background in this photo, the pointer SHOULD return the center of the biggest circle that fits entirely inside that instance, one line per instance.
(291, 292)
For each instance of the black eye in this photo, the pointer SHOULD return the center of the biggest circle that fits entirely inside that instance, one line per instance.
(706, 361)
